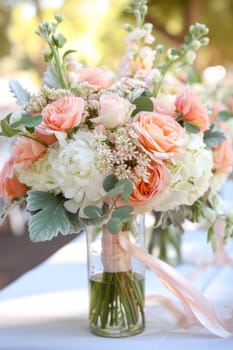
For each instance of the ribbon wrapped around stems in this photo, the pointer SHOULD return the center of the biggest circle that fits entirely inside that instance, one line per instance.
(197, 306)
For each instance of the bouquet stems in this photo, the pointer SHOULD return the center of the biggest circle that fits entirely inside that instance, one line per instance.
(117, 304)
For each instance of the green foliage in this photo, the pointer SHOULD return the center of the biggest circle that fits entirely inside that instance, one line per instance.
(21, 94)
(123, 212)
(210, 234)
(50, 79)
(48, 31)
(6, 128)
(109, 182)
(224, 115)
(143, 103)
(183, 55)
(49, 216)
(114, 225)
(114, 215)
(28, 121)
(191, 128)
(213, 136)
(93, 212)
(24, 121)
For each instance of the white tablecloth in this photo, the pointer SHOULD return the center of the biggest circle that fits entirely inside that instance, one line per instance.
(46, 308)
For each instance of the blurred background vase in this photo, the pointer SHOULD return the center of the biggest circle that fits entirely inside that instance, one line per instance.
(163, 242)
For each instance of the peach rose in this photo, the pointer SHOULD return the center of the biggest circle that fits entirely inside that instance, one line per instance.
(145, 192)
(61, 115)
(161, 136)
(95, 76)
(27, 151)
(223, 157)
(192, 109)
(43, 135)
(114, 111)
(10, 187)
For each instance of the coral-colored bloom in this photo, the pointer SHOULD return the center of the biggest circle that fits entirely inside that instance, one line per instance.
(10, 186)
(62, 115)
(95, 76)
(223, 157)
(144, 192)
(192, 109)
(44, 136)
(27, 151)
(114, 111)
(161, 136)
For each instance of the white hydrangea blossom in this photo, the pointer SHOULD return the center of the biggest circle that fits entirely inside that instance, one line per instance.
(217, 182)
(69, 168)
(39, 175)
(76, 173)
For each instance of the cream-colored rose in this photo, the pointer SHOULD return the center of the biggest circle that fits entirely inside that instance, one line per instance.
(114, 111)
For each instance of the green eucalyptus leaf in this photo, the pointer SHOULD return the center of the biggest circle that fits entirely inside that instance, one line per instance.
(122, 212)
(191, 128)
(224, 115)
(127, 190)
(117, 190)
(28, 121)
(109, 182)
(21, 94)
(143, 103)
(93, 212)
(214, 136)
(7, 130)
(91, 222)
(114, 225)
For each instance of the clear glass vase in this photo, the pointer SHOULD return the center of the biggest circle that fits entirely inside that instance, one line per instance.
(116, 282)
(165, 244)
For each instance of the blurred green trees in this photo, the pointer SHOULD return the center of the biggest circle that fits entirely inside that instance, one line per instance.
(95, 29)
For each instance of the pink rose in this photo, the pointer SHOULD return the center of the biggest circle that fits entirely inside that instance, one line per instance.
(164, 108)
(61, 115)
(95, 76)
(114, 111)
(10, 186)
(161, 136)
(27, 151)
(145, 192)
(192, 109)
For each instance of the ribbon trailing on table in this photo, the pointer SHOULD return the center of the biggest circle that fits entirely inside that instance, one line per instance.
(197, 306)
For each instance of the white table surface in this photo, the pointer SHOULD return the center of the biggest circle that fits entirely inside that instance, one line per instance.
(46, 308)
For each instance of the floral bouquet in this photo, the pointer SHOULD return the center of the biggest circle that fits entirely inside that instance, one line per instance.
(89, 150)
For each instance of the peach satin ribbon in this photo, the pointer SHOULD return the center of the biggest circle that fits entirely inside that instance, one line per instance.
(196, 305)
